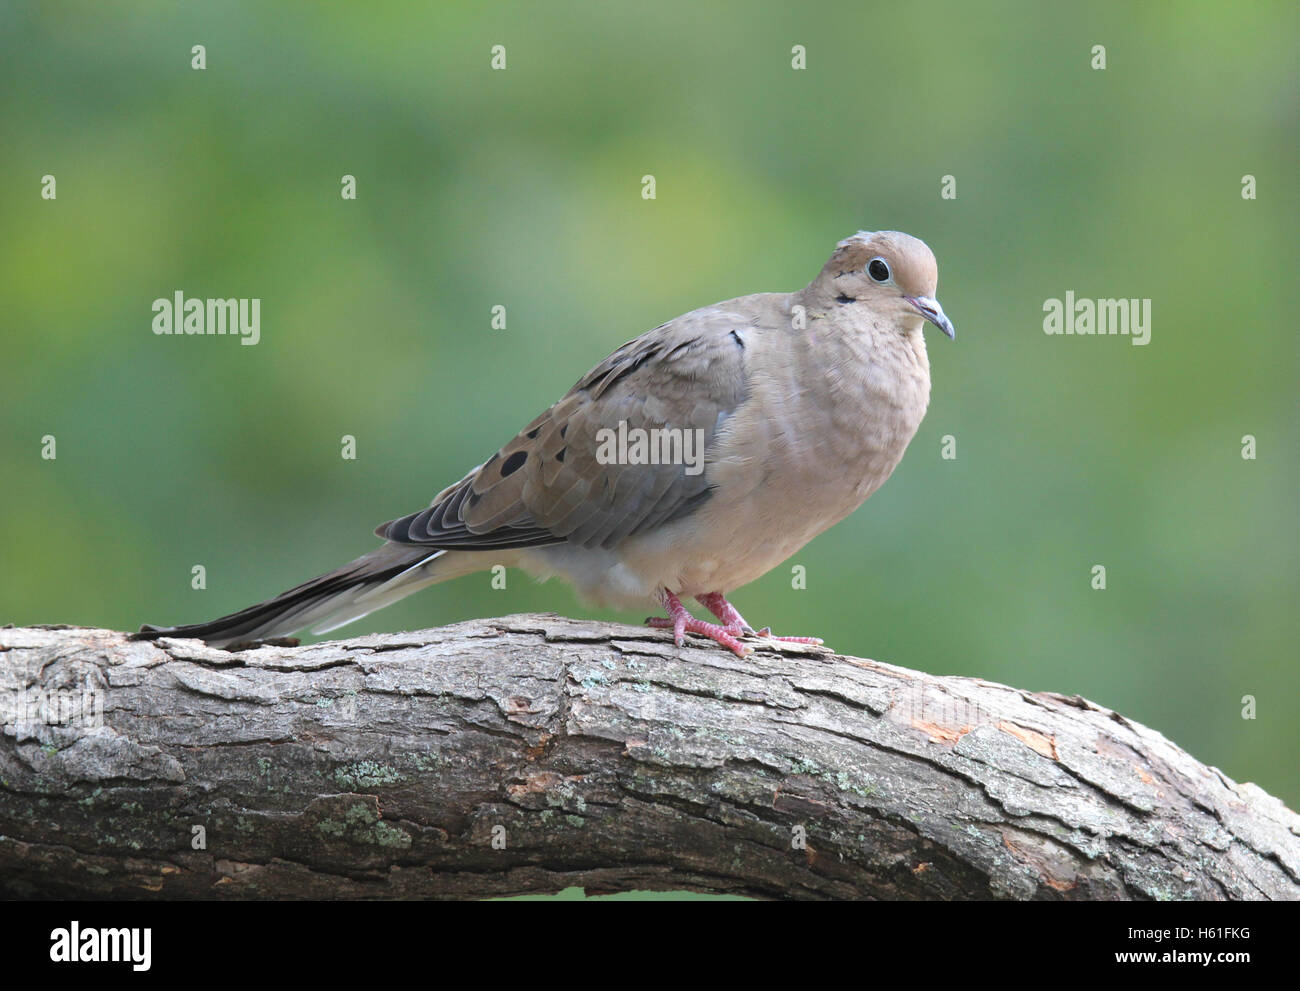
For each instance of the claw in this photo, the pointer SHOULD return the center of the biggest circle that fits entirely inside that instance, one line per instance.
(682, 622)
(735, 623)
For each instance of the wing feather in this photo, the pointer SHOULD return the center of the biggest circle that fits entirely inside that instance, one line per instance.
(549, 485)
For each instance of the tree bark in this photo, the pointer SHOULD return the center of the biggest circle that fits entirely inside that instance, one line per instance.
(533, 753)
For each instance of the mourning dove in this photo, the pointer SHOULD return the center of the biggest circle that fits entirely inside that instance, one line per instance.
(689, 462)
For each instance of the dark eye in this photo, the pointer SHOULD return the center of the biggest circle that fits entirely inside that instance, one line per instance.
(878, 270)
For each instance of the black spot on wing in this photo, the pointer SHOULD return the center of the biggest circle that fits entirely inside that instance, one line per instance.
(514, 463)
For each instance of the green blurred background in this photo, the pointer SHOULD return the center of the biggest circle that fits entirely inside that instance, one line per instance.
(522, 187)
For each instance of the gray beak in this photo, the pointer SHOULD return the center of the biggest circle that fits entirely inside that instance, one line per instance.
(929, 308)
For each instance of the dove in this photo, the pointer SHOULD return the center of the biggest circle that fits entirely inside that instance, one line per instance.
(687, 464)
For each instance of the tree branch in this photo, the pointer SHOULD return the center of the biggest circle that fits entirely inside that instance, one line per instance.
(533, 753)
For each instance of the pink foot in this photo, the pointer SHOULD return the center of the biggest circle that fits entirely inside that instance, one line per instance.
(682, 622)
(717, 604)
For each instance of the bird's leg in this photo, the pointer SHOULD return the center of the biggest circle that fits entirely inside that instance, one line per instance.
(681, 622)
(717, 604)
(734, 623)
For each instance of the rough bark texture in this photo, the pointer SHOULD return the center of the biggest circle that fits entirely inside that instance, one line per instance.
(534, 753)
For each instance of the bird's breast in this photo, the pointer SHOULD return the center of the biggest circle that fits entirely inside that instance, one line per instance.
(800, 456)
(838, 424)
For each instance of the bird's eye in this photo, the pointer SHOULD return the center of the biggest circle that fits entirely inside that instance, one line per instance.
(878, 269)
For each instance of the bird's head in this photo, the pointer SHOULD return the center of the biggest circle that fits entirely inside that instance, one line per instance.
(893, 273)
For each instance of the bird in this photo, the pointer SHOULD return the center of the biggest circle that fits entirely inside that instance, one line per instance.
(687, 464)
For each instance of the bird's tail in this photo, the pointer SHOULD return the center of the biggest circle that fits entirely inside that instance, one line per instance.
(345, 594)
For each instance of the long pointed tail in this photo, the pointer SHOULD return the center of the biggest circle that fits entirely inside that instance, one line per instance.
(345, 594)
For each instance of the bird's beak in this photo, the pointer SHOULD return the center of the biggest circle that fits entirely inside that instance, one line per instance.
(929, 308)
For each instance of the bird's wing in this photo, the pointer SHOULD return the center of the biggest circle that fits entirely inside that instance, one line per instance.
(555, 482)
